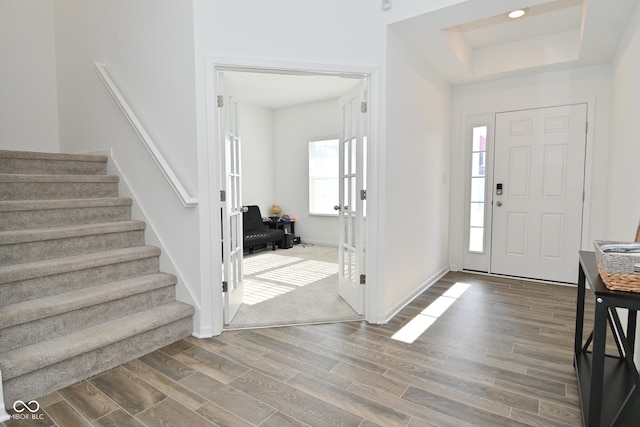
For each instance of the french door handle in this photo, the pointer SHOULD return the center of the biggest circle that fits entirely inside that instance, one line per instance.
(337, 208)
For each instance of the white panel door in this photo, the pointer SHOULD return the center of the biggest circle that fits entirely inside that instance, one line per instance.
(352, 199)
(231, 201)
(538, 192)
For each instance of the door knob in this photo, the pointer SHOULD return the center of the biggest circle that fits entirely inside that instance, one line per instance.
(498, 204)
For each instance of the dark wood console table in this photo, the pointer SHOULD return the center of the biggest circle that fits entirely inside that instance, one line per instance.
(609, 385)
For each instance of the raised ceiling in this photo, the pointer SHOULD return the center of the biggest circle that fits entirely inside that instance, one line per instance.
(475, 41)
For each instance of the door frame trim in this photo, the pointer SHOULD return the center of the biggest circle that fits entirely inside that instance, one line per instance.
(588, 169)
(212, 301)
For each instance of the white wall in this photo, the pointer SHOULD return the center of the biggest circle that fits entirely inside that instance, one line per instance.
(28, 104)
(147, 47)
(258, 155)
(294, 127)
(622, 201)
(417, 177)
(590, 85)
(275, 168)
(288, 32)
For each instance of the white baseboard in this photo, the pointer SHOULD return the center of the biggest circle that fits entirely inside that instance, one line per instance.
(319, 243)
(385, 318)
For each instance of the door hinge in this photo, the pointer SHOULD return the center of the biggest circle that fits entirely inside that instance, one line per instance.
(223, 196)
(363, 279)
(220, 101)
(363, 107)
(225, 287)
(363, 194)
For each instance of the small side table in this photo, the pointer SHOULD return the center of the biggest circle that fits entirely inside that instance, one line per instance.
(609, 385)
(286, 226)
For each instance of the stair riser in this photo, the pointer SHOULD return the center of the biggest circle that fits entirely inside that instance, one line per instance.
(24, 220)
(54, 326)
(51, 167)
(20, 253)
(41, 382)
(38, 287)
(57, 190)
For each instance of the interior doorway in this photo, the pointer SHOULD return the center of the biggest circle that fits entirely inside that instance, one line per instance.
(271, 107)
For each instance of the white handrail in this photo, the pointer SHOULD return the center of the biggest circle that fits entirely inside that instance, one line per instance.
(157, 156)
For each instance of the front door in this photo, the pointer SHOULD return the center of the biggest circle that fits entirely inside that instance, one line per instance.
(538, 192)
(231, 201)
(352, 194)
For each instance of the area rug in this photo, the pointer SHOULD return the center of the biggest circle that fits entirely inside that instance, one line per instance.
(291, 287)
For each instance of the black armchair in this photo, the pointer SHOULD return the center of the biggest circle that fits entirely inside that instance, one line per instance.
(256, 232)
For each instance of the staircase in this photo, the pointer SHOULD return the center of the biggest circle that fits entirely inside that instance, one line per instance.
(80, 293)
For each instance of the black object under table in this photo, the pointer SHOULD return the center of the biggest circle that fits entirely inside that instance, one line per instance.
(609, 385)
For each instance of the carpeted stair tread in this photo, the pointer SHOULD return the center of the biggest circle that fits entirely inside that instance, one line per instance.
(52, 163)
(30, 205)
(12, 273)
(54, 233)
(36, 155)
(30, 358)
(47, 186)
(28, 311)
(36, 214)
(42, 178)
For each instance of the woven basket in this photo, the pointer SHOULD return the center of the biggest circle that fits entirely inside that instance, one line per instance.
(617, 269)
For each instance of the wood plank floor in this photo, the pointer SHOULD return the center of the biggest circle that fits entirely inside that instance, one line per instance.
(501, 355)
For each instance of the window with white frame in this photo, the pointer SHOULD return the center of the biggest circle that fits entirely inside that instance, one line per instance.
(323, 176)
(477, 200)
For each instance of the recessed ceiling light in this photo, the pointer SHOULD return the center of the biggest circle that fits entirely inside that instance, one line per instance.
(519, 13)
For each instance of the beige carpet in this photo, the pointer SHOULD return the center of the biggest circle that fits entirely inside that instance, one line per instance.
(292, 286)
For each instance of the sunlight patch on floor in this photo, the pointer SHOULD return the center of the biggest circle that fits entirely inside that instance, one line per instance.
(301, 274)
(256, 291)
(257, 264)
(427, 317)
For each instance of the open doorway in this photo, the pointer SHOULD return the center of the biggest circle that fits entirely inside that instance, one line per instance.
(278, 115)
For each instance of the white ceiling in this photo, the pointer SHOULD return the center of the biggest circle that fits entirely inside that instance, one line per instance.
(469, 42)
(280, 90)
(475, 41)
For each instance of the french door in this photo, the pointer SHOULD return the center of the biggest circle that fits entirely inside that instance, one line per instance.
(231, 203)
(352, 195)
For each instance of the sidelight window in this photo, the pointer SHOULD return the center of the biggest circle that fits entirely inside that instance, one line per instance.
(477, 194)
